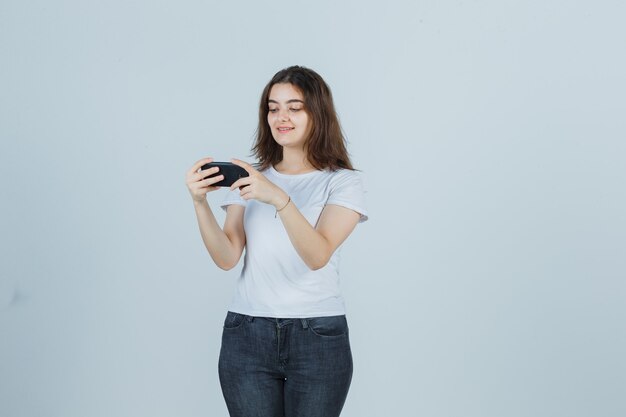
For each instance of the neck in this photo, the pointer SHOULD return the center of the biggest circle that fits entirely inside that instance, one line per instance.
(294, 162)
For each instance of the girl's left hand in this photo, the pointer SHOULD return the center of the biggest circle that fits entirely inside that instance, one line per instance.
(258, 187)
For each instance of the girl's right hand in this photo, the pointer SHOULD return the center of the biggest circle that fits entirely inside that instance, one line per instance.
(197, 184)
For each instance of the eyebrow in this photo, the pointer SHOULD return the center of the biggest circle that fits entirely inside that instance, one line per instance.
(293, 100)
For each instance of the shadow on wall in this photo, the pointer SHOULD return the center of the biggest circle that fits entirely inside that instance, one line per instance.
(10, 295)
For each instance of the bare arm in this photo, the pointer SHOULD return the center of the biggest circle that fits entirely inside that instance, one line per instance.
(315, 245)
(225, 246)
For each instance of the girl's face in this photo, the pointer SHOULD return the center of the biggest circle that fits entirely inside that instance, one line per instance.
(287, 118)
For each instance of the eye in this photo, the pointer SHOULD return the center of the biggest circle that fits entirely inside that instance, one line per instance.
(294, 110)
(273, 110)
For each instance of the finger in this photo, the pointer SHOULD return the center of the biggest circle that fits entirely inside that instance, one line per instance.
(249, 168)
(245, 194)
(203, 174)
(198, 164)
(207, 189)
(241, 182)
(211, 180)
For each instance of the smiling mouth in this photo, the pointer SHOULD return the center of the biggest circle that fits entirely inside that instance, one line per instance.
(285, 129)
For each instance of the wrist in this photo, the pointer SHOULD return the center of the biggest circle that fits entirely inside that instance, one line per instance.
(281, 201)
(284, 205)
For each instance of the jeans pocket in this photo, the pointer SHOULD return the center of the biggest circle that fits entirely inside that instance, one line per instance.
(332, 326)
(233, 320)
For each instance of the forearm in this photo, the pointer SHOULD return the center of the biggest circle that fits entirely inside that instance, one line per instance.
(312, 247)
(219, 246)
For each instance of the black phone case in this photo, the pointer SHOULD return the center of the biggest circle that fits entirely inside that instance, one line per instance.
(230, 171)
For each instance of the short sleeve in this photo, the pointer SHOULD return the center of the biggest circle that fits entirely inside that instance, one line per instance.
(347, 189)
(233, 197)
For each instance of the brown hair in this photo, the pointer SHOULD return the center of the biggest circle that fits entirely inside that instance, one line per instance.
(325, 146)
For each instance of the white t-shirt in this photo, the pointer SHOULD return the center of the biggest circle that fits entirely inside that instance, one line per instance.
(275, 281)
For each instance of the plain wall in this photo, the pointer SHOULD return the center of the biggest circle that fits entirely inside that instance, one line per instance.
(489, 280)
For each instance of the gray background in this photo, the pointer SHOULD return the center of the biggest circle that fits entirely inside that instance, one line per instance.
(489, 280)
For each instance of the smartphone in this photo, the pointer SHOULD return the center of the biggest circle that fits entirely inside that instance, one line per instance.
(230, 171)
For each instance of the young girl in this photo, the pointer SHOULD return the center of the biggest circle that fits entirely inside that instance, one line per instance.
(285, 347)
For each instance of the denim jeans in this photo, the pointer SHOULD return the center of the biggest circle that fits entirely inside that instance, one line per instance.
(285, 367)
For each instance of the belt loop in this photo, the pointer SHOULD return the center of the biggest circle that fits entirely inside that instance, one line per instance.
(305, 323)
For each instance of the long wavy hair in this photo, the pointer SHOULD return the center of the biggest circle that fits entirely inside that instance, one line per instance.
(325, 146)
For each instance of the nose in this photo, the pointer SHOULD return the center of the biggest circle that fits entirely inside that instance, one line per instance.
(283, 115)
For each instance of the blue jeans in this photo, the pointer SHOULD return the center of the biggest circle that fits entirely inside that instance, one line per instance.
(285, 367)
